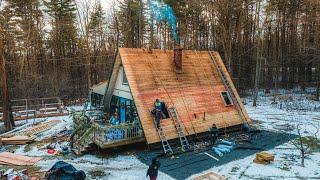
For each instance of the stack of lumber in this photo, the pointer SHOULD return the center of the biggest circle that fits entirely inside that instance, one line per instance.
(263, 158)
(16, 140)
(39, 128)
(210, 176)
(7, 158)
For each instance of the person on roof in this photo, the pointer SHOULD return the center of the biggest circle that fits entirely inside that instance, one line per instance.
(158, 116)
(153, 169)
(158, 105)
(157, 112)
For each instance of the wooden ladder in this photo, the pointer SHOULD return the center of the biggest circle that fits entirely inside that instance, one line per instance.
(227, 86)
(183, 140)
(165, 144)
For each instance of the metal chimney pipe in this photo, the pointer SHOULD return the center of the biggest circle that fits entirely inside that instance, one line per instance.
(177, 58)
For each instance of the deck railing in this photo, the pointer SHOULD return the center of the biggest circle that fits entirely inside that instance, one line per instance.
(116, 133)
(31, 108)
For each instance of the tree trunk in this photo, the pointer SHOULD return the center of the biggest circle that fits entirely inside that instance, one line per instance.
(318, 84)
(9, 124)
(258, 58)
(256, 82)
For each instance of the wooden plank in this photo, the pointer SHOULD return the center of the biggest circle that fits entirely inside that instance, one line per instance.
(17, 140)
(15, 159)
(210, 176)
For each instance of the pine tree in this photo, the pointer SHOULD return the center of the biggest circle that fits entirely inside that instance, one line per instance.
(97, 28)
(25, 22)
(131, 23)
(64, 32)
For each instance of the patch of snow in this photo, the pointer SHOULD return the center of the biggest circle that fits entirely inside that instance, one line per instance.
(285, 118)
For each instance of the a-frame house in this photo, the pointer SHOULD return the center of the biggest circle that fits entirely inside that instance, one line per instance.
(195, 86)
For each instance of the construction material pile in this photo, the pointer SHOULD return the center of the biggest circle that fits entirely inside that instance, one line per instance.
(7, 158)
(223, 147)
(211, 176)
(28, 135)
(17, 140)
(11, 174)
(263, 158)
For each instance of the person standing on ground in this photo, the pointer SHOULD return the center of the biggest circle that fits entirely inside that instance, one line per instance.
(153, 169)
(213, 134)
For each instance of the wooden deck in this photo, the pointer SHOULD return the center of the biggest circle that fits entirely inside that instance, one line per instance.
(24, 109)
(130, 134)
(195, 93)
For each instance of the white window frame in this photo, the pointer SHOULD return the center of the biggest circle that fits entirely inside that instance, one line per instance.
(224, 99)
(124, 77)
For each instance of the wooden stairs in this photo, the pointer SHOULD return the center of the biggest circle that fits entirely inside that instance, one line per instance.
(83, 135)
(83, 142)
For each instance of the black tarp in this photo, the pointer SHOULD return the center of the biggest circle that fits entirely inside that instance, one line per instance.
(64, 171)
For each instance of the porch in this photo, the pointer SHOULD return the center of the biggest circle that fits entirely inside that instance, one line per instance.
(102, 133)
(107, 136)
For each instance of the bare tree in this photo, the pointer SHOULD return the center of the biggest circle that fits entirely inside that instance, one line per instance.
(299, 144)
(305, 145)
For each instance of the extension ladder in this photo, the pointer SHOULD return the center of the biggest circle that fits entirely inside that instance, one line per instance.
(165, 144)
(228, 86)
(183, 140)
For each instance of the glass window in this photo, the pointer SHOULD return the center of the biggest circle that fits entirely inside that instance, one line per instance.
(124, 78)
(226, 98)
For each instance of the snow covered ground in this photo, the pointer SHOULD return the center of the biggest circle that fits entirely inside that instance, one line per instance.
(284, 116)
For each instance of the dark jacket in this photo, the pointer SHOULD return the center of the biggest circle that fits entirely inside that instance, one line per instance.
(153, 168)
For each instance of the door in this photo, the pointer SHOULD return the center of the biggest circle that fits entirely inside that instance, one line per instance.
(122, 110)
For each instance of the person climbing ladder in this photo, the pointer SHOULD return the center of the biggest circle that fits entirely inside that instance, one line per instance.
(157, 112)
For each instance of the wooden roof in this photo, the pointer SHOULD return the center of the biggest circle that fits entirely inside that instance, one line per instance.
(195, 93)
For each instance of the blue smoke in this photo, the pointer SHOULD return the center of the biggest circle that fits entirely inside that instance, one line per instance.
(163, 12)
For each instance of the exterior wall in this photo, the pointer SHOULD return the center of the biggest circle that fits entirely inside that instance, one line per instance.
(121, 89)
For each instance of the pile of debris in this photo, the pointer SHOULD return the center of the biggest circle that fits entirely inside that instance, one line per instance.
(7, 158)
(10, 159)
(263, 158)
(17, 140)
(11, 174)
(28, 135)
(211, 176)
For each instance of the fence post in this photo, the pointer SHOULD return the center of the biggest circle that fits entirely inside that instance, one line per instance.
(27, 111)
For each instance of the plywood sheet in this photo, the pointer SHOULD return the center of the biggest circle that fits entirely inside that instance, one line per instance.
(17, 140)
(15, 159)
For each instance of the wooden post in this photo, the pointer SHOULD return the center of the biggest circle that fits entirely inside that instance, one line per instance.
(318, 83)
(9, 124)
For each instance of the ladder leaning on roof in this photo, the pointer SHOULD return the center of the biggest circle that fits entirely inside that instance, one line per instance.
(165, 144)
(228, 87)
(183, 140)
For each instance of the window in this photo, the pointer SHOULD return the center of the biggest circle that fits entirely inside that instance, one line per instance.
(226, 98)
(124, 78)
(164, 110)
